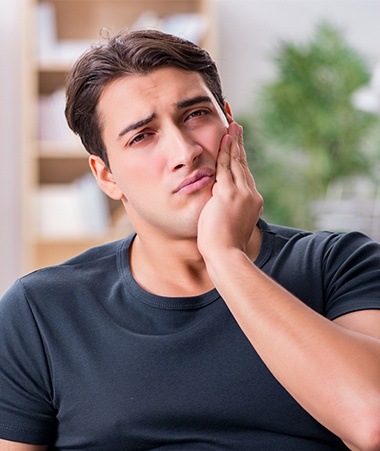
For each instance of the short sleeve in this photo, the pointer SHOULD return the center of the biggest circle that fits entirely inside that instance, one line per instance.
(26, 411)
(351, 268)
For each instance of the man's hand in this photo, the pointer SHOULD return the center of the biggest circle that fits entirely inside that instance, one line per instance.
(229, 217)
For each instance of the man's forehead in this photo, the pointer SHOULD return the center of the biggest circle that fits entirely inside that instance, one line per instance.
(157, 78)
(167, 85)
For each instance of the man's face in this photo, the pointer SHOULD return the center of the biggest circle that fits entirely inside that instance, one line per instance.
(162, 132)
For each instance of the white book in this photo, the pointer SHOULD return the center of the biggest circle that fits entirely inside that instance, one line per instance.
(59, 214)
(72, 210)
(92, 205)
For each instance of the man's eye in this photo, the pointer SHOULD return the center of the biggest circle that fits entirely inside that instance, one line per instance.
(138, 138)
(198, 113)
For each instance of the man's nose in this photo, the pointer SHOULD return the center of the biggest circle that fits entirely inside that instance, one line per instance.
(183, 150)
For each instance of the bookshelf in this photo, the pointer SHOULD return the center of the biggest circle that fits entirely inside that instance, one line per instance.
(65, 211)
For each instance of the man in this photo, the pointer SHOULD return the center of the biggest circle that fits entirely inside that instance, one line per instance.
(208, 328)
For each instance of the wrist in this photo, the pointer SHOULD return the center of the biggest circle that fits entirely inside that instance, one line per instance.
(221, 261)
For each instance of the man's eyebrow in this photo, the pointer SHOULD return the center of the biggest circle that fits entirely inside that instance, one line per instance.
(193, 101)
(137, 124)
(182, 104)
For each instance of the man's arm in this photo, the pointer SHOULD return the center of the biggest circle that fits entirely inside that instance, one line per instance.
(6, 445)
(365, 322)
(332, 369)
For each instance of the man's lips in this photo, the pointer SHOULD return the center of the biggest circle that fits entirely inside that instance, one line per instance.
(197, 181)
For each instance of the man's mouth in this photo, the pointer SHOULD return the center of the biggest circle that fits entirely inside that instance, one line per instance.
(200, 179)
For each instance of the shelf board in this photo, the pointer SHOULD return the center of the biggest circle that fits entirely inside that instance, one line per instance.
(79, 240)
(53, 66)
(61, 150)
(49, 251)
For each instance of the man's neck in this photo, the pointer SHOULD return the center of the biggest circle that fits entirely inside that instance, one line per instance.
(175, 268)
(172, 268)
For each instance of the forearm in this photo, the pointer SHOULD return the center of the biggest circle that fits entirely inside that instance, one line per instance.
(6, 445)
(332, 372)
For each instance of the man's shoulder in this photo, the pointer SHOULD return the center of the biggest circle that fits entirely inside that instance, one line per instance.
(283, 231)
(281, 238)
(320, 246)
(95, 255)
(294, 235)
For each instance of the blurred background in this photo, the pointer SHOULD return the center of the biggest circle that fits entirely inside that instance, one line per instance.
(302, 76)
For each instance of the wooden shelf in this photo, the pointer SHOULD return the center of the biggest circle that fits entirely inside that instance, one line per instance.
(53, 251)
(59, 150)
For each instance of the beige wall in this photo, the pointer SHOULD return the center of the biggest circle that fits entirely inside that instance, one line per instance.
(10, 141)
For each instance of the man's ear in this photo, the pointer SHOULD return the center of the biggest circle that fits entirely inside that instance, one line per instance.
(104, 178)
(228, 110)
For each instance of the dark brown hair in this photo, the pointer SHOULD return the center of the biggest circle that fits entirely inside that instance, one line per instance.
(129, 52)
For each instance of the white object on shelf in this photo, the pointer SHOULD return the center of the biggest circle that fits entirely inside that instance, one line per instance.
(52, 120)
(367, 98)
(188, 26)
(72, 210)
(51, 50)
(93, 205)
(46, 29)
(59, 214)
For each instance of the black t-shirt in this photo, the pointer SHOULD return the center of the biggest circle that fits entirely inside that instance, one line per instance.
(88, 359)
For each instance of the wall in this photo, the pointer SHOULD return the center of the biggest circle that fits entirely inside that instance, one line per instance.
(10, 141)
(249, 31)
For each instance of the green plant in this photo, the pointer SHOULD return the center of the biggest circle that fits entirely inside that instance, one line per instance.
(308, 132)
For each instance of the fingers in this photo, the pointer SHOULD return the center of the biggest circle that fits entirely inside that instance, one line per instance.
(233, 176)
(223, 167)
(239, 164)
(232, 162)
